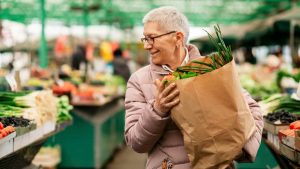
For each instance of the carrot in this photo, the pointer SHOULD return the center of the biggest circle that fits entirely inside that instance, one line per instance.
(10, 129)
(1, 126)
(3, 133)
(295, 125)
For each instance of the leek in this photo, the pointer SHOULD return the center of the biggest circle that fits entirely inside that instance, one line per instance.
(17, 99)
(6, 111)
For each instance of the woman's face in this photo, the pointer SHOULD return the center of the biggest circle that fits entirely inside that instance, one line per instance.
(163, 49)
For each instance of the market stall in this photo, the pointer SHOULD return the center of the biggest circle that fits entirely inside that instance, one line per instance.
(18, 151)
(276, 91)
(67, 49)
(27, 120)
(96, 127)
(98, 119)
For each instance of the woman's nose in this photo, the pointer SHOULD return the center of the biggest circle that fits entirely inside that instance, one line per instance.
(147, 45)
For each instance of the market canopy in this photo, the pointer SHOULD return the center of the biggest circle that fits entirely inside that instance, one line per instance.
(275, 29)
(126, 14)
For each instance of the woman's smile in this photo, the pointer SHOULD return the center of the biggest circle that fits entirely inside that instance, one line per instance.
(153, 53)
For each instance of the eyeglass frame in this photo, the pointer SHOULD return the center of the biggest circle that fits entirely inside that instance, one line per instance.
(147, 39)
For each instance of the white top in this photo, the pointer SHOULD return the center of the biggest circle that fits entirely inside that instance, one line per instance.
(185, 61)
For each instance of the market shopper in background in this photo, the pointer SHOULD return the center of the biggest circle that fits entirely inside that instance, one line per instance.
(249, 57)
(148, 126)
(79, 57)
(120, 65)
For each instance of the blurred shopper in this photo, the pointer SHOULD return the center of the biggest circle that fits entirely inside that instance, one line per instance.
(249, 57)
(79, 57)
(62, 51)
(149, 128)
(120, 65)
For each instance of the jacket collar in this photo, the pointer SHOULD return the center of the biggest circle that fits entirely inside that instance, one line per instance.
(193, 53)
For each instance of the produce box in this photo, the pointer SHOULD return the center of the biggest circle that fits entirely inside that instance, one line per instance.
(36, 134)
(297, 140)
(290, 153)
(297, 132)
(274, 128)
(286, 139)
(272, 138)
(28, 138)
(22, 130)
(290, 138)
(48, 127)
(297, 143)
(6, 144)
(21, 141)
(8, 137)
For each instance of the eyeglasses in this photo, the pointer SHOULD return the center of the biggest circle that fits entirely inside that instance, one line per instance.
(150, 40)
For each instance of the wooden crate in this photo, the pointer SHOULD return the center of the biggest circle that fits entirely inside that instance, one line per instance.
(274, 128)
(289, 152)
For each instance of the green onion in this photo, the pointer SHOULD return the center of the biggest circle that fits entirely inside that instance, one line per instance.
(219, 59)
(14, 98)
(7, 110)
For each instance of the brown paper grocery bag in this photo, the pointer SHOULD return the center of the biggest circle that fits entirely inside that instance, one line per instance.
(213, 116)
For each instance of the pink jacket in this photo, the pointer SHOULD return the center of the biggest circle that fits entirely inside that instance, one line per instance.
(147, 132)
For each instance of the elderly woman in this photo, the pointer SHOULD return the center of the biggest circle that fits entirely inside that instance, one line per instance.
(149, 128)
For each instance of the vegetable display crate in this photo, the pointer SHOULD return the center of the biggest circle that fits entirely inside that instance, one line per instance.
(28, 138)
(290, 153)
(274, 128)
(272, 132)
(22, 130)
(21, 158)
(20, 149)
(96, 132)
(6, 144)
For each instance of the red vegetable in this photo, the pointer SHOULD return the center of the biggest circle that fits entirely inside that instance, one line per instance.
(295, 125)
(1, 126)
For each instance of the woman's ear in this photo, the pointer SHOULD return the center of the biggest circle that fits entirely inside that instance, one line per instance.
(179, 38)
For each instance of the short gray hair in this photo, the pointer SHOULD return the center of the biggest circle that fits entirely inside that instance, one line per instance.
(169, 18)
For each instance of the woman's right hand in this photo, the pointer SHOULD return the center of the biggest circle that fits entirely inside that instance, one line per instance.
(166, 98)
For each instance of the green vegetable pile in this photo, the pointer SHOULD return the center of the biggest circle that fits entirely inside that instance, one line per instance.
(63, 109)
(257, 90)
(289, 104)
(282, 73)
(12, 103)
(278, 102)
(14, 98)
(7, 111)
